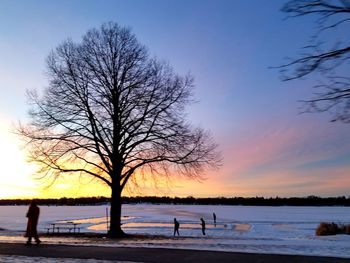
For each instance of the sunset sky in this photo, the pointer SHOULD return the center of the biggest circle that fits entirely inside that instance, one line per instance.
(230, 47)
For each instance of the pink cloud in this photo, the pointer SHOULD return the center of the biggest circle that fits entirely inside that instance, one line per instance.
(323, 182)
(284, 159)
(281, 146)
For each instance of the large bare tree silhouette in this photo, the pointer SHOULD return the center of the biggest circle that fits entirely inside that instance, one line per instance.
(110, 111)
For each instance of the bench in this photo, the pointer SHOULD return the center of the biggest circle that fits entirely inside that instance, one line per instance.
(71, 227)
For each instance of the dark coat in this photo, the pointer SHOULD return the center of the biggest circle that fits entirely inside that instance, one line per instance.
(176, 224)
(33, 218)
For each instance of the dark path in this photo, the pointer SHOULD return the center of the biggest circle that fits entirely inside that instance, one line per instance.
(154, 255)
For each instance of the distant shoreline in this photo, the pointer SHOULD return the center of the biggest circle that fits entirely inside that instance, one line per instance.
(155, 255)
(244, 201)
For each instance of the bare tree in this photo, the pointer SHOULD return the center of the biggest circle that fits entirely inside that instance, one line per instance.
(110, 112)
(327, 54)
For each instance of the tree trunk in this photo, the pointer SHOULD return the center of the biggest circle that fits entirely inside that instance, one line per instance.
(115, 229)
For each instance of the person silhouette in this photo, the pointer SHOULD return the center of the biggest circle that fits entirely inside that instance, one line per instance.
(176, 227)
(203, 226)
(33, 218)
(214, 217)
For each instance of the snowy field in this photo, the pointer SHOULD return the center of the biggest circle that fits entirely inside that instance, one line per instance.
(282, 230)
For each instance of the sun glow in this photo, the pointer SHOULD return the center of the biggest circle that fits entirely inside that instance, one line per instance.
(15, 171)
(18, 180)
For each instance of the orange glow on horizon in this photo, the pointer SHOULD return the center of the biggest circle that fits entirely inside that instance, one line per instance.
(244, 174)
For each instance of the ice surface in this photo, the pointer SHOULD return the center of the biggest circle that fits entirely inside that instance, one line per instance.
(282, 230)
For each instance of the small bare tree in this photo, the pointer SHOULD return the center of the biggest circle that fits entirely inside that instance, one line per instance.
(110, 112)
(327, 53)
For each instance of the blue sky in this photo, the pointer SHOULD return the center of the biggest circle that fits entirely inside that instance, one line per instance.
(269, 148)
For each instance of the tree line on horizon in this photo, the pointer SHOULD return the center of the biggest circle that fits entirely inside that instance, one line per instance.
(247, 201)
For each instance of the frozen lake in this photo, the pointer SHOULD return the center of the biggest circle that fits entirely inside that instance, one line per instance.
(282, 230)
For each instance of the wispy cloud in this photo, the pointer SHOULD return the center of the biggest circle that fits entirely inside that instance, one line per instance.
(288, 159)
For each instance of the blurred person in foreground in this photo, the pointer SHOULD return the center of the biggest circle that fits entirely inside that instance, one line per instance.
(33, 218)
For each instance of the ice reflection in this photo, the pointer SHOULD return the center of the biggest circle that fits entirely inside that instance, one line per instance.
(240, 227)
(145, 225)
(171, 225)
(94, 220)
(11, 238)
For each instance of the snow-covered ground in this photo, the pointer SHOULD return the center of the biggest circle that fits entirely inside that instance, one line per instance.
(282, 230)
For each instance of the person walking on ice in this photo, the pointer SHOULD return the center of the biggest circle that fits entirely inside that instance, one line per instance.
(203, 226)
(176, 227)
